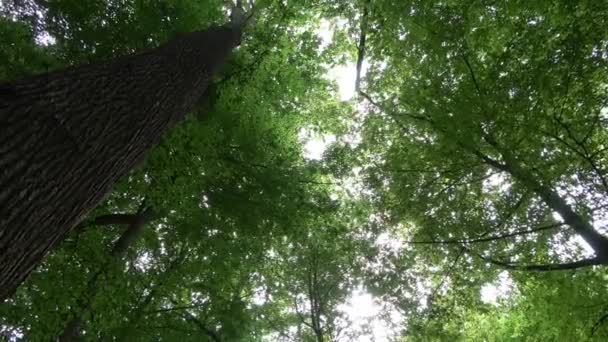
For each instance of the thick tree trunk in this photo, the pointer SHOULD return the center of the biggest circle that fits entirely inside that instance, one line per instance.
(67, 137)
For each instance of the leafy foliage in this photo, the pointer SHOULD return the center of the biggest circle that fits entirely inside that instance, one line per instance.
(476, 148)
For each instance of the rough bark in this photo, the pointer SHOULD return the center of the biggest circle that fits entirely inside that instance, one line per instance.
(67, 137)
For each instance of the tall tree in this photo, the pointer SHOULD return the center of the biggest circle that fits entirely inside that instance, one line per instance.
(432, 203)
(506, 137)
(68, 136)
(233, 184)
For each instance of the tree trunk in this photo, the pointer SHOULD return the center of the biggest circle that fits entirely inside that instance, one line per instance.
(597, 241)
(67, 137)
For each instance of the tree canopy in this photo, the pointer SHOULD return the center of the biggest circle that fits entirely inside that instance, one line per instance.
(459, 193)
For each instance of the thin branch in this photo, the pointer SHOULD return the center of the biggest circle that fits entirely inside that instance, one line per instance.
(302, 318)
(489, 238)
(360, 59)
(447, 274)
(201, 325)
(250, 67)
(176, 308)
(541, 267)
(587, 157)
(599, 207)
(424, 171)
(466, 61)
(361, 47)
(460, 181)
(318, 183)
(391, 114)
(598, 324)
(593, 126)
(585, 154)
(492, 162)
(598, 152)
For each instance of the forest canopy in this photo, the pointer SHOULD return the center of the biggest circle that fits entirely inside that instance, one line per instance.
(357, 170)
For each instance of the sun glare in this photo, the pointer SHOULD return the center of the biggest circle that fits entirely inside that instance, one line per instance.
(492, 293)
(369, 318)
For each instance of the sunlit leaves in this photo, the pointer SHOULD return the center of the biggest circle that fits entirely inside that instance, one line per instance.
(253, 241)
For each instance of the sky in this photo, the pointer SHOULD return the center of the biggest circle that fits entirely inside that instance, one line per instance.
(361, 307)
(344, 76)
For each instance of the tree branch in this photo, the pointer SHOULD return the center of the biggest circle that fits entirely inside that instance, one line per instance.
(492, 162)
(111, 219)
(176, 308)
(391, 114)
(489, 238)
(474, 79)
(550, 197)
(201, 325)
(72, 328)
(585, 152)
(361, 47)
(598, 324)
(542, 267)
(302, 318)
(132, 233)
(448, 273)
